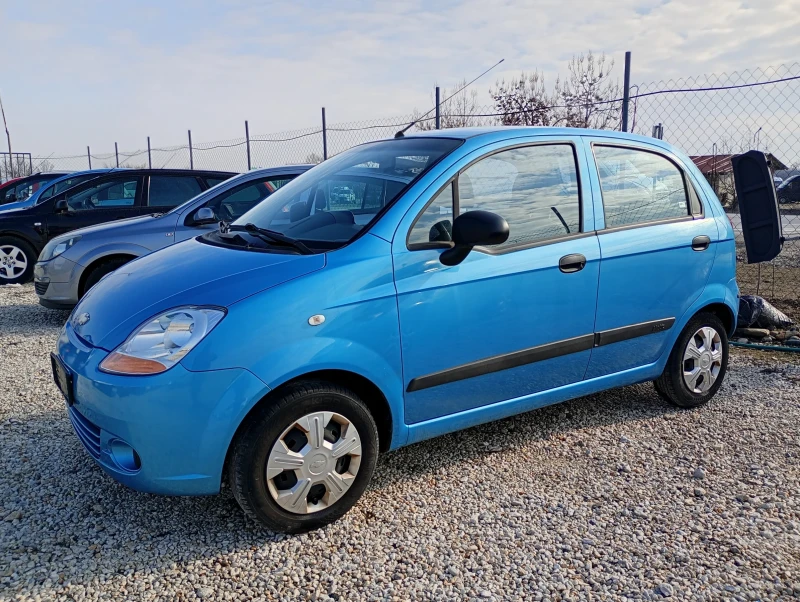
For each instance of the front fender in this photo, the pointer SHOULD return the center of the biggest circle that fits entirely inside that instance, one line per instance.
(116, 248)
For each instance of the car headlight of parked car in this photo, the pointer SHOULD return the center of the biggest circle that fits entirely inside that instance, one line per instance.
(162, 342)
(56, 247)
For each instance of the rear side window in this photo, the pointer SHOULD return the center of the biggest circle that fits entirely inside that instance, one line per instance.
(639, 186)
(171, 191)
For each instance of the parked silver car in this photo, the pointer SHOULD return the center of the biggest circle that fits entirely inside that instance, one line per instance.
(71, 264)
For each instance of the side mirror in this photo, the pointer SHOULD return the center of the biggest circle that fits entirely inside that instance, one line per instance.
(472, 229)
(62, 206)
(204, 216)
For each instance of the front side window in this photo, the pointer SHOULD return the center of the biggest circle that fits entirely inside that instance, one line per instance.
(171, 191)
(119, 192)
(535, 188)
(234, 203)
(62, 185)
(639, 186)
(327, 206)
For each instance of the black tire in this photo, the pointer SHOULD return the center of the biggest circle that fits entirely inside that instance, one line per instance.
(100, 270)
(671, 385)
(12, 247)
(248, 460)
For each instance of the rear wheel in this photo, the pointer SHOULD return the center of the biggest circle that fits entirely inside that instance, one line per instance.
(303, 461)
(16, 261)
(697, 364)
(105, 267)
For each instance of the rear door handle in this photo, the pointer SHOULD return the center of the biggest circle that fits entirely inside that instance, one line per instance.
(700, 243)
(574, 262)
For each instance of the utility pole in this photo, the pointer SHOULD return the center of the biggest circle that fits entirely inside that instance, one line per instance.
(8, 137)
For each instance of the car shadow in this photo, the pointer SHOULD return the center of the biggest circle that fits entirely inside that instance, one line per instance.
(69, 507)
(32, 320)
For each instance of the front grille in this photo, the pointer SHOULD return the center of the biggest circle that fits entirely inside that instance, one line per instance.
(87, 432)
(41, 287)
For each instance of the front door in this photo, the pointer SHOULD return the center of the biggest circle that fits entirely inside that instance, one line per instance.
(510, 320)
(100, 200)
(657, 242)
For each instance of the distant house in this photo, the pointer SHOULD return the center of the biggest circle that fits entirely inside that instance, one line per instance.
(718, 170)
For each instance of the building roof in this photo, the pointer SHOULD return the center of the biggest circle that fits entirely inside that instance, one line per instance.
(722, 163)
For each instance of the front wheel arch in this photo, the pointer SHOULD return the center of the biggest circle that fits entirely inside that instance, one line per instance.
(97, 263)
(364, 388)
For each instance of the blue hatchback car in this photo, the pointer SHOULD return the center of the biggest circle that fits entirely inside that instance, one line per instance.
(401, 290)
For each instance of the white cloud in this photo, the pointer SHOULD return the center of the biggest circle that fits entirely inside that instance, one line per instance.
(98, 74)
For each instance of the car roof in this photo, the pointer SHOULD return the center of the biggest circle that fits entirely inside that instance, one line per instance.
(521, 131)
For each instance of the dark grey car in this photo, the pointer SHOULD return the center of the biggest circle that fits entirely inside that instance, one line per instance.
(71, 264)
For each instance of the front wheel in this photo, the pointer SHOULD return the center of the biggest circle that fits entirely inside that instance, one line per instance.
(697, 364)
(302, 461)
(16, 261)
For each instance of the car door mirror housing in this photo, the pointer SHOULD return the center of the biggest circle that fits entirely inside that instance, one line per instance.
(61, 206)
(204, 216)
(472, 229)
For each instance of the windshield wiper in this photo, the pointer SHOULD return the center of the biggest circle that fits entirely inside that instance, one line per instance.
(271, 236)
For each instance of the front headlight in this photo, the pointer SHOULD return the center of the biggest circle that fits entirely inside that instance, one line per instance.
(162, 342)
(56, 247)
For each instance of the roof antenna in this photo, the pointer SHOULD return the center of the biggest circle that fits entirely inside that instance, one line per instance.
(402, 132)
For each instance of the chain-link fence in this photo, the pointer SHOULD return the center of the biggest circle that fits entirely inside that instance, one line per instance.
(714, 117)
(711, 117)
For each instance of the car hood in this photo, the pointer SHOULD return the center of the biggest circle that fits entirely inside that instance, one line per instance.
(116, 225)
(26, 204)
(188, 273)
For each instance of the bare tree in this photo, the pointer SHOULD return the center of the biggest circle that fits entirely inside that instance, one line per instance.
(314, 158)
(461, 110)
(523, 100)
(588, 98)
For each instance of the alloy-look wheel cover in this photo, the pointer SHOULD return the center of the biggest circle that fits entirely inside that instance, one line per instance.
(702, 360)
(329, 459)
(13, 262)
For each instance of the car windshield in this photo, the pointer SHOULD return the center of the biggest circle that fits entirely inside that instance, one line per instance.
(329, 205)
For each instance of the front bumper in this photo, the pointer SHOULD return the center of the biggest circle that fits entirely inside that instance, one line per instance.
(56, 282)
(179, 423)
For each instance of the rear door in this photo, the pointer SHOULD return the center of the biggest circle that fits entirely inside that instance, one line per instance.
(103, 199)
(657, 243)
(167, 191)
(762, 226)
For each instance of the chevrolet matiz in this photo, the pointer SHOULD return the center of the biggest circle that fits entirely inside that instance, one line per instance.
(404, 289)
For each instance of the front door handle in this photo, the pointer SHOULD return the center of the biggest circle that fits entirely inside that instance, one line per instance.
(574, 262)
(701, 243)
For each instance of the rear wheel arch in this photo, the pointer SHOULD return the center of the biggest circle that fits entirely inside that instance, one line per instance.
(723, 312)
(98, 263)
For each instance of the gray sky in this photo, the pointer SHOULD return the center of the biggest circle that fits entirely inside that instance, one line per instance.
(93, 73)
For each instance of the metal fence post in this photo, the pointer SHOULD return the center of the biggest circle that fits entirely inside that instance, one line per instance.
(149, 158)
(116, 153)
(89, 156)
(324, 137)
(626, 92)
(30, 162)
(438, 111)
(247, 136)
(191, 156)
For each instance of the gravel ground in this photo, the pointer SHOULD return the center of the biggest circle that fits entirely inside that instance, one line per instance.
(614, 496)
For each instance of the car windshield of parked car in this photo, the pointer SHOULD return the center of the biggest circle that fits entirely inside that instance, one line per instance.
(329, 205)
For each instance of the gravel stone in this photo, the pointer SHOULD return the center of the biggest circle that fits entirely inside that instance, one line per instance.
(699, 474)
(534, 507)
